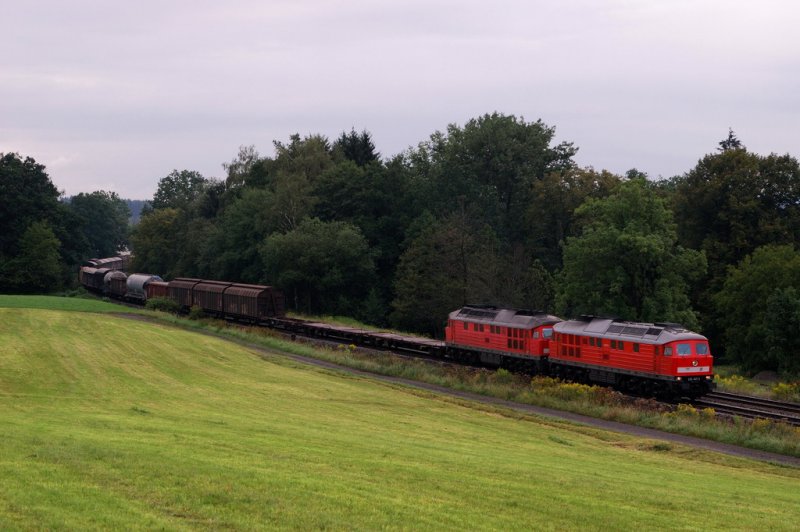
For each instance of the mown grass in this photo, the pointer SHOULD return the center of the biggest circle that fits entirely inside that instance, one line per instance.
(75, 304)
(111, 423)
(594, 401)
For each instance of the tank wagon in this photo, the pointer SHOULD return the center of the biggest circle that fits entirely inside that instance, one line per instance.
(137, 286)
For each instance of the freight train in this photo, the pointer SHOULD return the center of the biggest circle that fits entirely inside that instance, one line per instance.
(654, 359)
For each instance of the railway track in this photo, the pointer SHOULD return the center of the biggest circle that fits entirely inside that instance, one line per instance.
(746, 406)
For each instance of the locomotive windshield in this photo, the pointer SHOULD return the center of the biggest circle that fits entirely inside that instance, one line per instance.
(684, 349)
(702, 349)
(547, 333)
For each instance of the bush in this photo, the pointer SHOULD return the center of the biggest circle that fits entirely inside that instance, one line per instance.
(195, 313)
(787, 391)
(163, 304)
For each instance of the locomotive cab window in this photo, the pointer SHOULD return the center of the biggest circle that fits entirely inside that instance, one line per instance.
(667, 351)
(535, 334)
(547, 333)
(701, 349)
(684, 349)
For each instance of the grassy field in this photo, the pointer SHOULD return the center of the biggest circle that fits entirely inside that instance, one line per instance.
(62, 303)
(112, 423)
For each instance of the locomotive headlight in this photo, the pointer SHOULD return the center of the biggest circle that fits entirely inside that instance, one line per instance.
(678, 379)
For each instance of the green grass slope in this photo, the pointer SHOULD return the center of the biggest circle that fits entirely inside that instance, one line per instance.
(114, 423)
(61, 303)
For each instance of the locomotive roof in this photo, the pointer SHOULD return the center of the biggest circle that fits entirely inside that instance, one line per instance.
(523, 319)
(629, 330)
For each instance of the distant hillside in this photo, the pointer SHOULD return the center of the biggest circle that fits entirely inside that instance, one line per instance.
(136, 209)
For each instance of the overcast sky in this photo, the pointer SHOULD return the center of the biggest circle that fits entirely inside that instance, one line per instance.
(114, 96)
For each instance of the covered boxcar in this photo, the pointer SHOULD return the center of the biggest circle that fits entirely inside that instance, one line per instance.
(111, 263)
(647, 358)
(92, 278)
(180, 291)
(208, 296)
(115, 283)
(253, 302)
(156, 289)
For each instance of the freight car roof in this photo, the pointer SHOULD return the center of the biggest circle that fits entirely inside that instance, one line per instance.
(641, 332)
(216, 287)
(247, 290)
(184, 282)
(505, 317)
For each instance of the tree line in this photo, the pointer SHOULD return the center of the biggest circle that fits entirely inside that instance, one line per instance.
(495, 212)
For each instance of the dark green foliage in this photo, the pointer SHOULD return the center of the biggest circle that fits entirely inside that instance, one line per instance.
(450, 263)
(26, 195)
(104, 219)
(156, 242)
(163, 304)
(730, 143)
(626, 262)
(491, 163)
(178, 190)
(195, 313)
(356, 147)
(37, 267)
(323, 267)
(781, 326)
(757, 305)
(734, 202)
(549, 217)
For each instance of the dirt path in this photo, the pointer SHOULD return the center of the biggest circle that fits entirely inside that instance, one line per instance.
(613, 426)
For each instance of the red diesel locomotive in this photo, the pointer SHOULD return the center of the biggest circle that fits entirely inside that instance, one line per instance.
(662, 359)
(647, 358)
(515, 339)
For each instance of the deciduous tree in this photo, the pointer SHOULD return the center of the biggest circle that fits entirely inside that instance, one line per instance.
(626, 261)
(756, 301)
(322, 266)
(105, 221)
